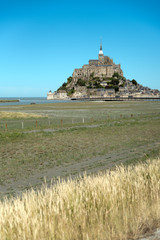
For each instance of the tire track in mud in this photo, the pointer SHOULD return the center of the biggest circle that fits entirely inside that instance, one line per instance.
(62, 128)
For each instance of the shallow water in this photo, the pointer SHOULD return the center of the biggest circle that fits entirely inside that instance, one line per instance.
(42, 100)
(26, 101)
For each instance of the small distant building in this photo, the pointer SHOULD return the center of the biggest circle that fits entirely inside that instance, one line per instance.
(57, 95)
(109, 92)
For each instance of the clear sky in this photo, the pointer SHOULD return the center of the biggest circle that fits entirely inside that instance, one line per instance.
(42, 41)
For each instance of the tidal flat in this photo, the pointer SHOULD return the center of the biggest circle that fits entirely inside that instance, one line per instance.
(69, 139)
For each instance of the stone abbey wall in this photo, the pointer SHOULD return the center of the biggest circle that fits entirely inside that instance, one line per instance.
(103, 67)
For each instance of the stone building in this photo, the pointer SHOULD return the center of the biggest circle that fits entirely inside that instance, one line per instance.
(61, 94)
(103, 67)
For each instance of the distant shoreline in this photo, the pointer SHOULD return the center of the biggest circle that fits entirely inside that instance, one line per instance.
(8, 100)
(116, 99)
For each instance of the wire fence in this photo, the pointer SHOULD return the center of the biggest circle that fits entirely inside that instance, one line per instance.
(40, 123)
(6, 125)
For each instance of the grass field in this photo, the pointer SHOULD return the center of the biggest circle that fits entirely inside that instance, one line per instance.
(73, 138)
(117, 205)
(75, 113)
(21, 115)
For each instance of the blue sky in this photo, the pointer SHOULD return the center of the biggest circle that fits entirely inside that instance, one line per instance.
(41, 42)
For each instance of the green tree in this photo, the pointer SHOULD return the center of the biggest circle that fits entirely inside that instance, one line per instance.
(97, 84)
(69, 79)
(134, 81)
(63, 87)
(116, 88)
(96, 78)
(89, 85)
(115, 81)
(116, 74)
(124, 79)
(92, 75)
(71, 91)
(81, 82)
(64, 84)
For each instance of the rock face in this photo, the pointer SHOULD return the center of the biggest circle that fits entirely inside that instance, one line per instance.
(101, 78)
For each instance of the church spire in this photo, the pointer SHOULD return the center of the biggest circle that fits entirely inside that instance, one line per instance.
(101, 51)
(101, 45)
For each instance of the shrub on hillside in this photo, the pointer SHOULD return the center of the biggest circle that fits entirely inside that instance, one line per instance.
(81, 82)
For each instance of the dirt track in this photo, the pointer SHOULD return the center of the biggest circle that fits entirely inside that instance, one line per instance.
(98, 163)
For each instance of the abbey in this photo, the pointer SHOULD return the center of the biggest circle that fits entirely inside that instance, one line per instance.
(103, 67)
(101, 79)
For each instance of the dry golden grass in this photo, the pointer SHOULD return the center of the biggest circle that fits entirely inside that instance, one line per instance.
(121, 204)
(10, 115)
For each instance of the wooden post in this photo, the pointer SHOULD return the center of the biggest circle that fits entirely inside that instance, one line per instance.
(36, 123)
(6, 127)
(22, 125)
(61, 122)
(83, 120)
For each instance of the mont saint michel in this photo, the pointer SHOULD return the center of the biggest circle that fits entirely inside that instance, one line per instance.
(100, 68)
(101, 79)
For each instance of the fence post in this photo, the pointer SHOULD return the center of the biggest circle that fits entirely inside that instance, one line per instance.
(61, 122)
(49, 122)
(22, 125)
(83, 120)
(6, 127)
(36, 123)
